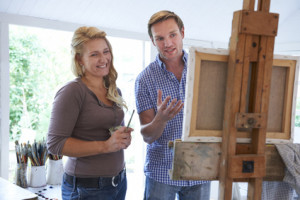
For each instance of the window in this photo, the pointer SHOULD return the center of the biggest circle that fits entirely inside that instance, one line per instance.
(39, 65)
(130, 57)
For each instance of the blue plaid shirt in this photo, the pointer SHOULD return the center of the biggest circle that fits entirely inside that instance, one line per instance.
(159, 157)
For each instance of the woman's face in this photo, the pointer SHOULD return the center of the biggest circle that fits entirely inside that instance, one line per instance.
(96, 58)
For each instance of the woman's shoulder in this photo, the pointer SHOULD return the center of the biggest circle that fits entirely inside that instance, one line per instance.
(74, 84)
(73, 88)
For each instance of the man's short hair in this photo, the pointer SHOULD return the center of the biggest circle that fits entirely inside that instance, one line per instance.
(162, 16)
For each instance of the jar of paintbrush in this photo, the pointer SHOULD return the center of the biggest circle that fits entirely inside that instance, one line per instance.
(37, 154)
(55, 169)
(21, 169)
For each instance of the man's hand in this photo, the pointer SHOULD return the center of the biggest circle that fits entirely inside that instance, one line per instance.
(165, 112)
(153, 124)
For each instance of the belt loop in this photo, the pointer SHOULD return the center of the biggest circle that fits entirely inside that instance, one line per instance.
(74, 183)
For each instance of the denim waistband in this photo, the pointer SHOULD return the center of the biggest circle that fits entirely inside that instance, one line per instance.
(97, 181)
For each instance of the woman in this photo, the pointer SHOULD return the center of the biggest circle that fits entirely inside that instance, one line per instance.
(83, 112)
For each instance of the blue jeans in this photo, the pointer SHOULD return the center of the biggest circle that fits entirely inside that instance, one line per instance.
(158, 191)
(72, 191)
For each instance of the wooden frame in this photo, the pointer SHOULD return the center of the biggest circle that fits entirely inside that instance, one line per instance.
(206, 83)
(201, 161)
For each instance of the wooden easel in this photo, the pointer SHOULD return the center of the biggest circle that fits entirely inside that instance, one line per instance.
(246, 108)
(247, 96)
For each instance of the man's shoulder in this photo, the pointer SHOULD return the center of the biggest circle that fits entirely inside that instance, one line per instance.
(151, 69)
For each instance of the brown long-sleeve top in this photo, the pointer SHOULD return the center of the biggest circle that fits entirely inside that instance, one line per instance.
(78, 113)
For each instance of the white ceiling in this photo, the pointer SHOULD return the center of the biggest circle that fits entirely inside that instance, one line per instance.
(205, 20)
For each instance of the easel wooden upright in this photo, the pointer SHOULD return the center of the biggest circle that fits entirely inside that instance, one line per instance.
(249, 72)
(246, 108)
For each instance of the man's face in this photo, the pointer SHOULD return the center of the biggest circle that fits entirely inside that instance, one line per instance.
(168, 39)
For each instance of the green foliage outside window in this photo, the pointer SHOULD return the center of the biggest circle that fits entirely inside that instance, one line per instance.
(36, 72)
(297, 117)
(25, 54)
(297, 121)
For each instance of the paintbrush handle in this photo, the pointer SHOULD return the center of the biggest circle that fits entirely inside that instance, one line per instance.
(130, 120)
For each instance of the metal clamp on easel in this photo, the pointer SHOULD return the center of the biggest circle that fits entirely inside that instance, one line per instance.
(250, 120)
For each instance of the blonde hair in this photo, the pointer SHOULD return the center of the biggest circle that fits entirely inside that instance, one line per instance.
(80, 37)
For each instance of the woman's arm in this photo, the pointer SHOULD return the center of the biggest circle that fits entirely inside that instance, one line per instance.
(120, 139)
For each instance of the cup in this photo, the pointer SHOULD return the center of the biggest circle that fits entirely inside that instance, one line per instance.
(21, 175)
(37, 176)
(113, 129)
(55, 171)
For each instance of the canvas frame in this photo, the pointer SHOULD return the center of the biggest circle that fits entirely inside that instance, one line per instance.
(206, 82)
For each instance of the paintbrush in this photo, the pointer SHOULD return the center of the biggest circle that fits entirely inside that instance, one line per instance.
(129, 121)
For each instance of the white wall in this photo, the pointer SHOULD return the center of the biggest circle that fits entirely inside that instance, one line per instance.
(4, 99)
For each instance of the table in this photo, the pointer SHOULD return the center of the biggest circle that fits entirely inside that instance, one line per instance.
(49, 192)
(9, 191)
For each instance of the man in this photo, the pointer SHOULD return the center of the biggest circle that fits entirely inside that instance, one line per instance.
(160, 117)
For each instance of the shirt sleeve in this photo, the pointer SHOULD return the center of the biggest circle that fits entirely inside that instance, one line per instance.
(142, 96)
(66, 108)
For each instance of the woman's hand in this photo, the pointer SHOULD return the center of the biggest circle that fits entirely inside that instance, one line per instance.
(119, 140)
